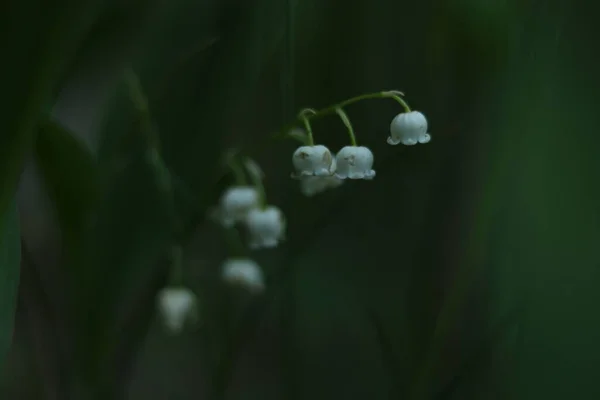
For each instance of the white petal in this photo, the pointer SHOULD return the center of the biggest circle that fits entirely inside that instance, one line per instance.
(408, 127)
(176, 306)
(425, 138)
(323, 172)
(265, 226)
(355, 162)
(243, 272)
(270, 243)
(370, 174)
(301, 174)
(392, 141)
(312, 160)
(236, 201)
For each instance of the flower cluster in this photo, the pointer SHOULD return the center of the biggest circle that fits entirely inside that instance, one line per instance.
(319, 169)
(351, 162)
(244, 205)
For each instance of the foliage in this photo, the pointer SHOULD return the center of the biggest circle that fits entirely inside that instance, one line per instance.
(465, 269)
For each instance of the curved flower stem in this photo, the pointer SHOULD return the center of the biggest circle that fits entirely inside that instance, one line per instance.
(308, 114)
(298, 135)
(140, 102)
(402, 103)
(305, 119)
(304, 111)
(260, 187)
(234, 242)
(176, 278)
(237, 171)
(386, 94)
(342, 114)
(253, 168)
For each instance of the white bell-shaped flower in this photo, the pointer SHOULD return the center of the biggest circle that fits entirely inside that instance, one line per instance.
(312, 161)
(355, 162)
(266, 227)
(176, 305)
(235, 204)
(314, 185)
(245, 273)
(409, 129)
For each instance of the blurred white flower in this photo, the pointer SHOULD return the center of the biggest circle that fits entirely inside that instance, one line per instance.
(312, 161)
(266, 227)
(312, 185)
(235, 204)
(245, 273)
(355, 162)
(409, 129)
(176, 305)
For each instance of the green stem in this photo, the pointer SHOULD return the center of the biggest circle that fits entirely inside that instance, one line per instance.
(446, 318)
(260, 187)
(257, 181)
(387, 94)
(402, 103)
(308, 110)
(307, 127)
(234, 242)
(148, 129)
(308, 113)
(176, 266)
(342, 114)
(237, 171)
(298, 135)
(140, 102)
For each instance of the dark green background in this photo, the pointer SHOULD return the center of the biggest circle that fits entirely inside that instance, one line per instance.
(466, 270)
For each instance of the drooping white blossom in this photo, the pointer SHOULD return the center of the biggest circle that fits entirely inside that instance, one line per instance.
(313, 185)
(176, 306)
(243, 272)
(409, 129)
(312, 161)
(355, 162)
(235, 204)
(266, 227)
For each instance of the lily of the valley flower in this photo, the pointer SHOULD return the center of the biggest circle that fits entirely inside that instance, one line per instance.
(235, 204)
(355, 162)
(266, 227)
(176, 305)
(312, 185)
(245, 273)
(312, 161)
(409, 129)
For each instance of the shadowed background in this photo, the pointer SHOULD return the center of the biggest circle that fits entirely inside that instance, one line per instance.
(493, 225)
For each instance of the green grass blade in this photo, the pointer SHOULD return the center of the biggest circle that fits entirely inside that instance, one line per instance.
(10, 263)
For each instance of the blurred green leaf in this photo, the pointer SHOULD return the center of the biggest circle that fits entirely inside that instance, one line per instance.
(194, 85)
(70, 175)
(10, 263)
(132, 230)
(36, 48)
(337, 349)
(536, 219)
